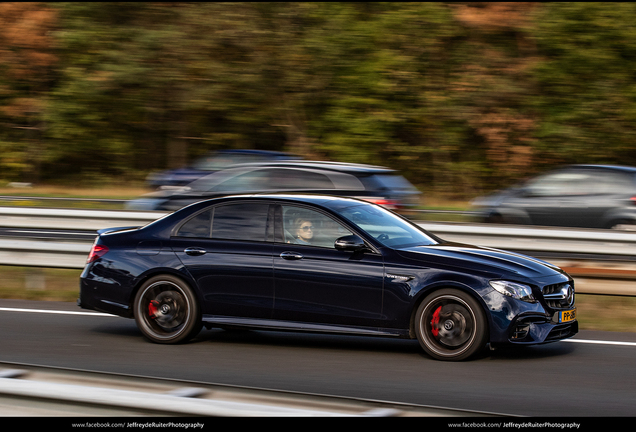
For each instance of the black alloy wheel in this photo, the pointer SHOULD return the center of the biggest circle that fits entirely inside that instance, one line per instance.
(451, 325)
(166, 310)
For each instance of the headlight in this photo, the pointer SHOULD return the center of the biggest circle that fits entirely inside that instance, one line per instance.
(514, 290)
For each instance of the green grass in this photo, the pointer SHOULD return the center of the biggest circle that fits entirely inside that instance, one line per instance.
(114, 192)
(608, 313)
(31, 283)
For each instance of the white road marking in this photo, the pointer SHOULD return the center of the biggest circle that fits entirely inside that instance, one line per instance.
(600, 342)
(587, 341)
(54, 312)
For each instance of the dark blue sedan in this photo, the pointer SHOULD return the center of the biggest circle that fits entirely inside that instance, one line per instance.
(322, 264)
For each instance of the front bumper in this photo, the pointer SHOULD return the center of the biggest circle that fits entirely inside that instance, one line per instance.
(520, 323)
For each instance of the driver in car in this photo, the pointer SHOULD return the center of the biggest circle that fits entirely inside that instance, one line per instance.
(304, 231)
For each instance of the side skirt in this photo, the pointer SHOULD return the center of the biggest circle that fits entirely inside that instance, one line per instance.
(220, 321)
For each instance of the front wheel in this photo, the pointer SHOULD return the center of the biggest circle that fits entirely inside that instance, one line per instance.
(451, 325)
(622, 224)
(166, 310)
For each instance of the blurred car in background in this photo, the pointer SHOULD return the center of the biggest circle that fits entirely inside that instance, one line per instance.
(585, 196)
(212, 162)
(375, 184)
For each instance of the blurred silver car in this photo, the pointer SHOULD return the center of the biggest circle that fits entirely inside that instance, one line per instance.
(379, 185)
(210, 163)
(585, 196)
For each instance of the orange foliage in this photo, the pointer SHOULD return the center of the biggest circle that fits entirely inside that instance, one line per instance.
(25, 41)
(494, 16)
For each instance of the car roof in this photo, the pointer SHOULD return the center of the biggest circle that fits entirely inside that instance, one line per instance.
(321, 200)
(324, 165)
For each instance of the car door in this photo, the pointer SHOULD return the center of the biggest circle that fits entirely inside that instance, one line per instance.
(314, 282)
(226, 250)
(560, 198)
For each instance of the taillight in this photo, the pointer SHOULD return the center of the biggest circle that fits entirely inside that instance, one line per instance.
(633, 200)
(387, 203)
(97, 251)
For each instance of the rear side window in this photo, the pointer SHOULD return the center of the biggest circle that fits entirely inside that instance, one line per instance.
(198, 226)
(244, 221)
(608, 182)
(281, 179)
(579, 183)
(252, 180)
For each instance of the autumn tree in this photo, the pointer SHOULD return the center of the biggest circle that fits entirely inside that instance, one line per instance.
(27, 73)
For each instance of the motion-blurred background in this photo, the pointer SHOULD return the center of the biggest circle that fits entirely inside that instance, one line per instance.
(461, 98)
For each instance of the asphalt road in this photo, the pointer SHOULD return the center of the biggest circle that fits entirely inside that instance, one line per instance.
(581, 377)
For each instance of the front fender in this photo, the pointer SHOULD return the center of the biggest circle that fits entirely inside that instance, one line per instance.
(476, 293)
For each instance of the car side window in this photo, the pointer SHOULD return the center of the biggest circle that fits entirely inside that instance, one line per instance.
(281, 179)
(311, 228)
(606, 182)
(244, 221)
(198, 226)
(251, 180)
(565, 183)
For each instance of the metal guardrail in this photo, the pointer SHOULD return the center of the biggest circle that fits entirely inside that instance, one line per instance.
(564, 240)
(121, 397)
(73, 219)
(12, 198)
(38, 390)
(531, 240)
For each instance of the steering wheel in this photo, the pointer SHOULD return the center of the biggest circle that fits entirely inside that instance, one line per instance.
(383, 237)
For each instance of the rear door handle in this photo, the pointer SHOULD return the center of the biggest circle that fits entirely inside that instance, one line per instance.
(291, 256)
(195, 251)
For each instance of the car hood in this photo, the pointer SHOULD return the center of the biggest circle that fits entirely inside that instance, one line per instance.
(475, 258)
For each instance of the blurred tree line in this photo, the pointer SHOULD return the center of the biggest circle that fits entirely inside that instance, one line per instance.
(461, 97)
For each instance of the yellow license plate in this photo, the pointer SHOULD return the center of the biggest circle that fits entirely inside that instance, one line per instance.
(567, 316)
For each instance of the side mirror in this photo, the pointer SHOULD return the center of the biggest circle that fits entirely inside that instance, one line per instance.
(350, 243)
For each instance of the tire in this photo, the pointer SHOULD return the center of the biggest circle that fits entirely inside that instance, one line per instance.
(166, 310)
(495, 218)
(451, 325)
(621, 224)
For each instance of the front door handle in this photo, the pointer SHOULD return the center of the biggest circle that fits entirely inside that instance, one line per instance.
(291, 256)
(195, 251)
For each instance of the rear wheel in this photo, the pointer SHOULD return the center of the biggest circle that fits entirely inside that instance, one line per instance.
(451, 325)
(166, 310)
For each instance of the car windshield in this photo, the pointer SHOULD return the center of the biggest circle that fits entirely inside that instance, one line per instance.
(387, 227)
(212, 181)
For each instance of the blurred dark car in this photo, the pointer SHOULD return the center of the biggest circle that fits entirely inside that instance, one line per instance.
(586, 196)
(213, 162)
(376, 184)
(325, 264)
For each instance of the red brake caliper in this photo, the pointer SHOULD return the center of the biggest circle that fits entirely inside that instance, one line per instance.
(435, 322)
(152, 309)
